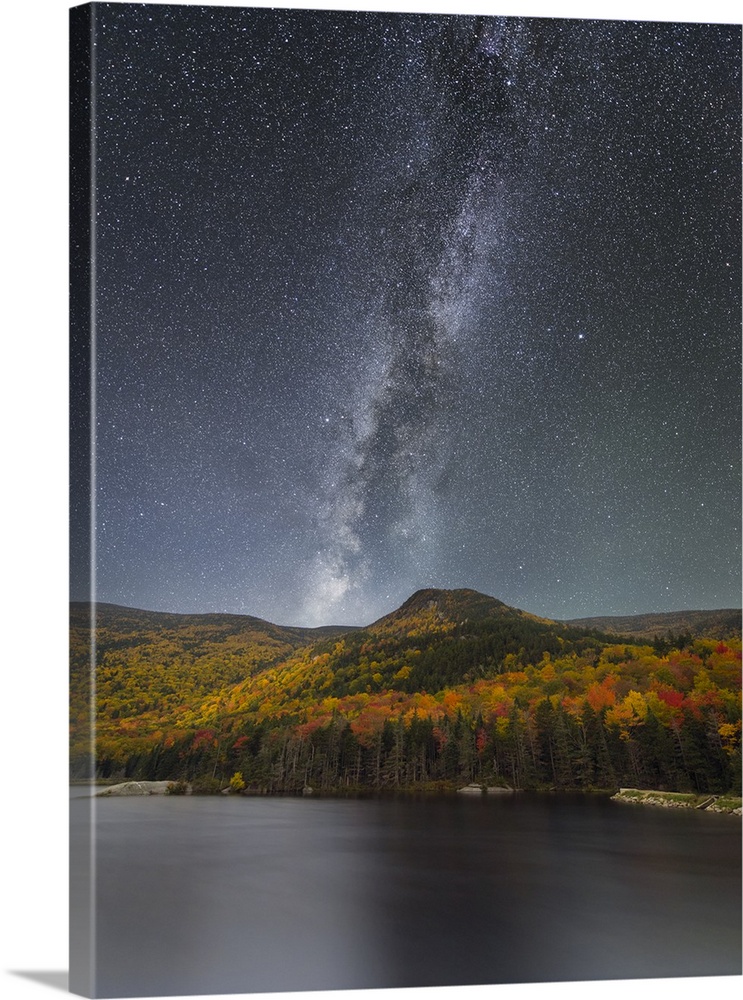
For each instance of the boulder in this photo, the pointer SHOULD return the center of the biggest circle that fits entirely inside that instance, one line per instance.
(137, 788)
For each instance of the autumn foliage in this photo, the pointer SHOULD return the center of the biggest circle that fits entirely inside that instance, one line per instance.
(444, 691)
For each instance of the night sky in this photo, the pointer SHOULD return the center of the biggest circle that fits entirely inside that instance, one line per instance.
(392, 301)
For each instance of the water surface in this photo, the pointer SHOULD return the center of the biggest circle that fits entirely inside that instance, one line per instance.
(217, 895)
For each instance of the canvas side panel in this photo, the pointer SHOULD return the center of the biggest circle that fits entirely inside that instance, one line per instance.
(82, 686)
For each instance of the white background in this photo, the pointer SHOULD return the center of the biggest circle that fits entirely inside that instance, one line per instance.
(33, 566)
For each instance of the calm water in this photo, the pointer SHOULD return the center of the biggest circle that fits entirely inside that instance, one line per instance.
(205, 895)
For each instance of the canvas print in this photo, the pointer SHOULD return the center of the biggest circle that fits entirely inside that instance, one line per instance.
(405, 578)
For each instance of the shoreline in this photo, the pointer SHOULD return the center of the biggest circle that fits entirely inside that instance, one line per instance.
(721, 803)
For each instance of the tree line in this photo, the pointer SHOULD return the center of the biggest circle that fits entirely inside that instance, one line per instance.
(533, 747)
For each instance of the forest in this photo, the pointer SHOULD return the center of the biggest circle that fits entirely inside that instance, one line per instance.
(450, 689)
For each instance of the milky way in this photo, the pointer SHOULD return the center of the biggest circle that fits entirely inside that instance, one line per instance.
(389, 301)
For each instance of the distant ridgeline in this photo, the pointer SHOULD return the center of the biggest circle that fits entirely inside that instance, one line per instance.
(452, 688)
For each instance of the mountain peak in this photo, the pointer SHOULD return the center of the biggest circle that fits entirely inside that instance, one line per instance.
(431, 596)
(452, 605)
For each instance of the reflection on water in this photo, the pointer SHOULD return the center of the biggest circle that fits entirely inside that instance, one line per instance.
(202, 895)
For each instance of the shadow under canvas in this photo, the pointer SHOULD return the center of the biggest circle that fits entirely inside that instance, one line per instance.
(56, 979)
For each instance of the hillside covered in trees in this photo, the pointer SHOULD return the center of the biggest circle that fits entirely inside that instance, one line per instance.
(722, 624)
(451, 688)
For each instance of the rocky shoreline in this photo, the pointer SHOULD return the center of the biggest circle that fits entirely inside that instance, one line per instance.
(728, 804)
(137, 788)
(474, 789)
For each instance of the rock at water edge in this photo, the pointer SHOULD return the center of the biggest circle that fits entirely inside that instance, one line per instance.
(137, 788)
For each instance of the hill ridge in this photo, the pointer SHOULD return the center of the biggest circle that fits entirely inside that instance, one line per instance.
(711, 623)
(643, 624)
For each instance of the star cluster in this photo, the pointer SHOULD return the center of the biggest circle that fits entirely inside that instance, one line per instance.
(387, 301)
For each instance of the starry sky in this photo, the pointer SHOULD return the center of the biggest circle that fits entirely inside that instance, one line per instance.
(390, 301)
